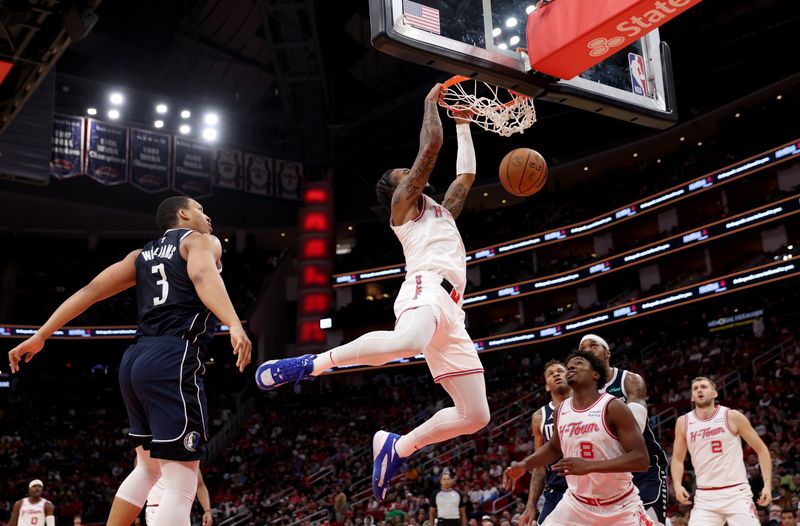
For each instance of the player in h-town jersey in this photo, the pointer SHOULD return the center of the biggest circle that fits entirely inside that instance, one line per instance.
(428, 308)
(33, 510)
(713, 436)
(601, 445)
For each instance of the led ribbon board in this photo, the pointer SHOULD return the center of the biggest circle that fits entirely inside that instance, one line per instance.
(72, 333)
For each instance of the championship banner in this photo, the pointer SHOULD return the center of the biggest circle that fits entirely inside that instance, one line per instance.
(288, 175)
(107, 147)
(192, 168)
(66, 157)
(228, 169)
(259, 175)
(150, 160)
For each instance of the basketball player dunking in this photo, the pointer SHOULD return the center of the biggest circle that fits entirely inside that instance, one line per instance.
(713, 435)
(33, 510)
(601, 445)
(544, 479)
(430, 319)
(631, 389)
(179, 292)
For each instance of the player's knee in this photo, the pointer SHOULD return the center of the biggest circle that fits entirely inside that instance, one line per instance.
(479, 417)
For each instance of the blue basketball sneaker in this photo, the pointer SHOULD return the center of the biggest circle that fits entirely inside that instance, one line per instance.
(387, 462)
(274, 373)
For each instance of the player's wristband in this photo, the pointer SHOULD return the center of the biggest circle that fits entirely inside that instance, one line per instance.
(465, 159)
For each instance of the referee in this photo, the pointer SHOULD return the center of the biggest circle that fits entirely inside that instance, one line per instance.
(447, 506)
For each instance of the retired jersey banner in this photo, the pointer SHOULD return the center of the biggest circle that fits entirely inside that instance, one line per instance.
(107, 152)
(228, 169)
(288, 175)
(150, 160)
(66, 157)
(258, 175)
(192, 168)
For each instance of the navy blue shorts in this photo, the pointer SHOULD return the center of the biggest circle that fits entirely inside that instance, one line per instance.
(551, 499)
(161, 379)
(652, 486)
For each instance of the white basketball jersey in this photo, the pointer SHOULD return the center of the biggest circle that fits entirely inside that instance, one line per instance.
(431, 242)
(156, 492)
(584, 434)
(715, 450)
(31, 514)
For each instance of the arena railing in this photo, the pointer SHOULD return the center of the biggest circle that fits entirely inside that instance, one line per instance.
(732, 172)
(772, 354)
(238, 519)
(659, 420)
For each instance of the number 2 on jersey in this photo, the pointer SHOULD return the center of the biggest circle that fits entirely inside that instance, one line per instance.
(716, 446)
(159, 269)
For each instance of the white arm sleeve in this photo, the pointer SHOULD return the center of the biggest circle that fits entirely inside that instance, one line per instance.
(50, 520)
(639, 413)
(465, 159)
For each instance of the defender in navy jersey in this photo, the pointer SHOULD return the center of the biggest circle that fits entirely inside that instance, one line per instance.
(180, 297)
(631, 389)
(545, 480)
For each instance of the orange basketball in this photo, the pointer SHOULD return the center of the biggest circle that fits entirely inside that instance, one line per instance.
(523, 172)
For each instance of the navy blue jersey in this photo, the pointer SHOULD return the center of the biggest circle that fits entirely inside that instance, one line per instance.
(658, 459)
(553, 480)
(168, 302)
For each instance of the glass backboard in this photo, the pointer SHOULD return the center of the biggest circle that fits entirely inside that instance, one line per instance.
(486, 39)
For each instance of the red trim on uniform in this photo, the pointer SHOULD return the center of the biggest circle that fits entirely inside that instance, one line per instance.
(591, 406)
(706, 419)
(418, 290)
(722, 487)
(152, 506)
(686, 425)
(421, 209)
(727, 411)
(458, 373)
(605, 426)
(602, 502)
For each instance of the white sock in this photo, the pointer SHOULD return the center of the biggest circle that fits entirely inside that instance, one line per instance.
(411, 335)
(469, 415)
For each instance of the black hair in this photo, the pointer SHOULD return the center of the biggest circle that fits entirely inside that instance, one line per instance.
(596, 364)
(167, 213)
(551, 363)
(385, 189)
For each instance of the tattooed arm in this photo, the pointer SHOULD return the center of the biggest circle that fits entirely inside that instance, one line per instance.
(465, 169)
(404, 200)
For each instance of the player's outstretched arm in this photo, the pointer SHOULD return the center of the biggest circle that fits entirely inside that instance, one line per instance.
(676, 464)
(203, 252)
(537, 475)
(620, 421)
(456, 194)
(430, 142)
(741, 425)
(113, 280)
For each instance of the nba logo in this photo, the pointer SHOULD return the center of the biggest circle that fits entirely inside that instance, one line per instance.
(638, 76)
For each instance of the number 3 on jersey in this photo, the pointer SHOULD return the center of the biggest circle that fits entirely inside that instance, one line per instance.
(159, 269)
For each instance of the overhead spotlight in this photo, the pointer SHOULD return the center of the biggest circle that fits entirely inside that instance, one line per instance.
(91, 111)
(185, 114)
(699, 143)
(210, 134)
(790, 247)
(496, 32)
(738, 115)
(350, 227)
(159, 124)
(779, 97)
(116, 98)
(113, 114)
(530, 9)
(283, 234)
(635, 154)
(514, 40)
(503, 45)
(185, 129)
(212, 119)
(161, 108)
(585, 168)
(511, 22)
(683, 139)
(658, 161)
(504, 201)
(485, 194)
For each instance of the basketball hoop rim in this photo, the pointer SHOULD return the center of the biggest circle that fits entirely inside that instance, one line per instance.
(458, 79)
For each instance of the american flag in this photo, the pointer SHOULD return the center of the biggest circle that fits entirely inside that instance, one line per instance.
(422, 16)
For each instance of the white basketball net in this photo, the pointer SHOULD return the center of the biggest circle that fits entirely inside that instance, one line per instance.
(495, 109)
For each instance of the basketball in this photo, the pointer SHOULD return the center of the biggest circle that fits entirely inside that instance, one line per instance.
(523, 172)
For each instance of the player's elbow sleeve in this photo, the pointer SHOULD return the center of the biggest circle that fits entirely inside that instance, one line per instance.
(639, 413)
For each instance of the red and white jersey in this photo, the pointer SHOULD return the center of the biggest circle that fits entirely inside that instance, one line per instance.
(716, 450)
(431, 242)
(584, 434)
(31, 514)
(156, 492)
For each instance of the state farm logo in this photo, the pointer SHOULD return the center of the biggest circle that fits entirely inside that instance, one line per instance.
(600, 46)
